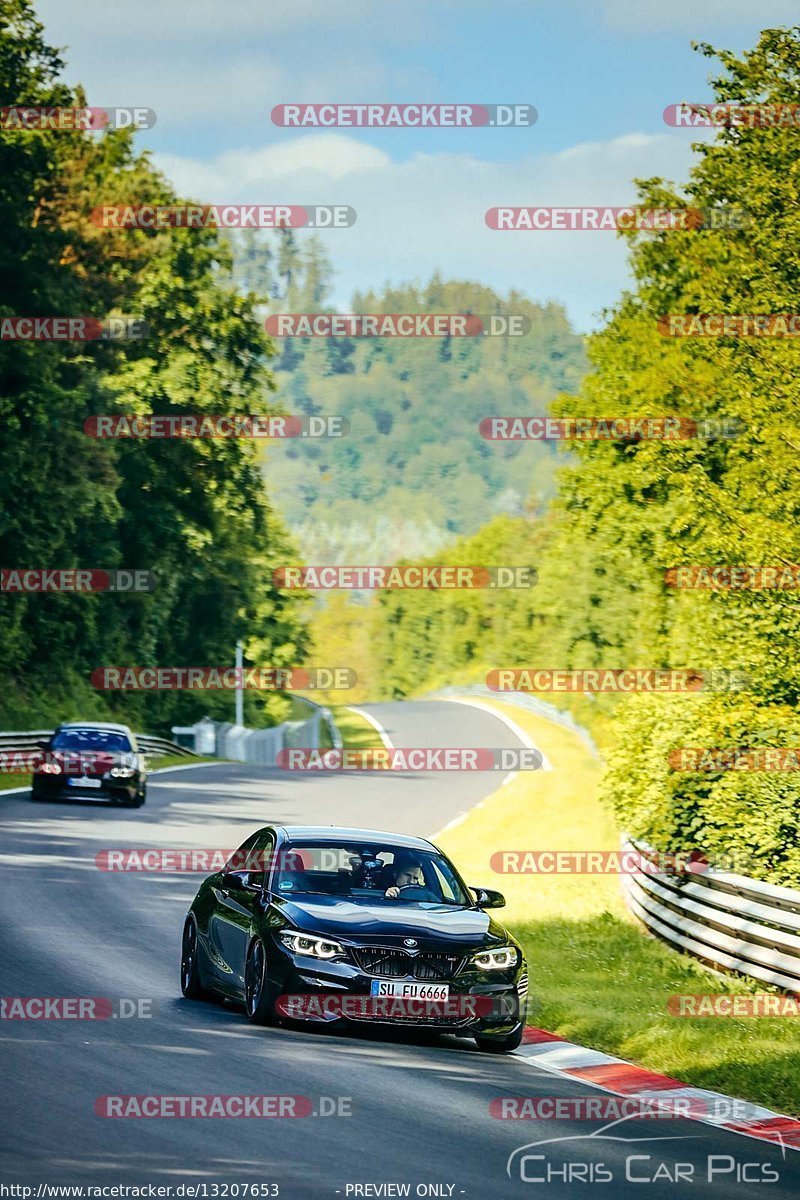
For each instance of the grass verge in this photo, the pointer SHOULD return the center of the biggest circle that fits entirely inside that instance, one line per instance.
(356, 733)
(14, 781)
(596, 977)
(159, 761)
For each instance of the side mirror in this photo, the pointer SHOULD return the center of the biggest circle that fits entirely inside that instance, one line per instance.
(42, 745)
(242, 881)
(488, 898)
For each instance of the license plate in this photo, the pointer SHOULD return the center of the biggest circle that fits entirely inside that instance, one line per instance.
(83, 781)
(410, 991)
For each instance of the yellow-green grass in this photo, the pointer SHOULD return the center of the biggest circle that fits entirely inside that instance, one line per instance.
(356, 733)
(159, 761)
(596, 977)
(14, 780)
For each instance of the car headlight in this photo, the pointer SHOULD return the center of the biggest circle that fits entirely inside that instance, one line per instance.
(307, 943)
(499, 959)
(121, 772)
(48, 768)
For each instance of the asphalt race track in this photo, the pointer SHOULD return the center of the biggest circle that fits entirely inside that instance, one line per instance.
(419, 1106)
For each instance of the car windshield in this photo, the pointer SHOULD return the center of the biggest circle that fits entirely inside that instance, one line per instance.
(109, 740)
(376, 872)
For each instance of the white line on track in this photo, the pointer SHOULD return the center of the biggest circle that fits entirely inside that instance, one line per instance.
(511, 724)
(462, 816)
(518, 732)
(376, 725)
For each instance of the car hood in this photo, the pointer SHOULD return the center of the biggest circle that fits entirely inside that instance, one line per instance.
(431, 925)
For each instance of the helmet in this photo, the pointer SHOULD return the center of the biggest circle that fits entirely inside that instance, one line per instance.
(368, 868)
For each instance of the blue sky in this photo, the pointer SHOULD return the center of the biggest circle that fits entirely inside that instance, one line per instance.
(599, 72)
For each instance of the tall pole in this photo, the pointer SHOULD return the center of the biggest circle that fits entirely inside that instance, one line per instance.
(239, 681)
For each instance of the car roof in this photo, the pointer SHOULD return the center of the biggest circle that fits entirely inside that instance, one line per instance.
(95, 725)
(297, 833)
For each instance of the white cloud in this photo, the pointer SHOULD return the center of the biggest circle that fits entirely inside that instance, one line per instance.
(428, 212)
(308, 162)
(211, 66)
(701, 20)
(331, 156)
(156, 21)
(207, 91)
(222, 65)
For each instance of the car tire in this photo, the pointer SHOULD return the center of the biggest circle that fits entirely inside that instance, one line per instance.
(191, 981)
(504, 1045)
(259, 1003)
(137, 802)
(508, 1044)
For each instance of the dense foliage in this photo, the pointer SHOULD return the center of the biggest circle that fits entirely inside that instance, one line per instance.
(193, 512)
(412, 473)
(413, 477)
(626, 512)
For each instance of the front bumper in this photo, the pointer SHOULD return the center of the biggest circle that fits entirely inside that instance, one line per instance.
(60, 787)
(338, 991)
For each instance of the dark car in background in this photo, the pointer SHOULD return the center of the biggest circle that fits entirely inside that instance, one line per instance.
(346, 926)
(91, 761)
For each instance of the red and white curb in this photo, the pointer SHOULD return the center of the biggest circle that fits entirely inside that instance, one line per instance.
(621, 1078)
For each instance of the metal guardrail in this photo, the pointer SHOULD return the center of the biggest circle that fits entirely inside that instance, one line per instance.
(156, 745)
(213, 738)
(261, 746)
(727, 921)
(29, 740)
(24, 741)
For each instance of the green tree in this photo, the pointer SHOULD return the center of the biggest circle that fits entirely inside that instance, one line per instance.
(194, 512)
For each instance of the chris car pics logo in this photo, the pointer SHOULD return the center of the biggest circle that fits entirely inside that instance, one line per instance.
(606, 1156)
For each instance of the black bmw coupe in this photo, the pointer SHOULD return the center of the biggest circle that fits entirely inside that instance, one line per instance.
(352, 925)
